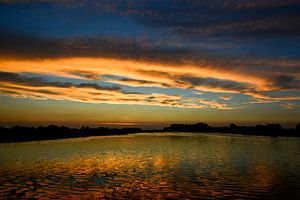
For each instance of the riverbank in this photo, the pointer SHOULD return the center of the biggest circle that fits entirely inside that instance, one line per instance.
(23, 134)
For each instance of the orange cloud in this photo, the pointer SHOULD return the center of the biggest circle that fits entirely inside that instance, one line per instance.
(148, 74)
(138, 70)
(93, 94)
(289, 106)
(226, 98)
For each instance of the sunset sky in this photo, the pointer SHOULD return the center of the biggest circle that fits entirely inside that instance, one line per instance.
(149, 62)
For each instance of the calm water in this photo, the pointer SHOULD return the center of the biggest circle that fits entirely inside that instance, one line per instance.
(157, 165)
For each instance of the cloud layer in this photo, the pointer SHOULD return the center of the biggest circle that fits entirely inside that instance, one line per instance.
(198, 46)
(142, 64)
(22, 86)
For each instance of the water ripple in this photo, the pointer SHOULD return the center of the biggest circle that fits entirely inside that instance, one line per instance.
(172, 166)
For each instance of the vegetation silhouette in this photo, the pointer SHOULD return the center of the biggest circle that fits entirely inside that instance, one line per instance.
(273, 130)
(22, 134)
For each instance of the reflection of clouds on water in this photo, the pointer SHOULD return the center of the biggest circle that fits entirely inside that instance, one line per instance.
(166, 167)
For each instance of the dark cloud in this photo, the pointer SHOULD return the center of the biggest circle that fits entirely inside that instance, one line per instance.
(215, 18)
(23, 46)
(142, 82)
(39, 82)
(181, 20)
(28, 47)
(202, 18)
(280, 72)
(243, 88)
(278, 26)
(230, 18)
(285, 82)
(85, 74)
(226, 85)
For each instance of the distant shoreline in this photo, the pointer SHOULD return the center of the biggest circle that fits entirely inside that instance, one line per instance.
(52, 132)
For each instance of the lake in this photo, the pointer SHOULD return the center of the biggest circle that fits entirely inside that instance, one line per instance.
(152, 165)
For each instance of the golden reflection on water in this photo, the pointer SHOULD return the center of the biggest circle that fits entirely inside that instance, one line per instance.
(151, 166)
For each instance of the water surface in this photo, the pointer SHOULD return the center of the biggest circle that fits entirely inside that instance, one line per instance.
(153, 165)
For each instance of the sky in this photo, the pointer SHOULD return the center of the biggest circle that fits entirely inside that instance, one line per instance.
(149, 62)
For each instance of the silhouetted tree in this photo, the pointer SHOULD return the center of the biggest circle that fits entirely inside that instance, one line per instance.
(18, 134)
(202, 126)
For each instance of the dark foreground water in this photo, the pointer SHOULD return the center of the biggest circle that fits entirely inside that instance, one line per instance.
(156, 166)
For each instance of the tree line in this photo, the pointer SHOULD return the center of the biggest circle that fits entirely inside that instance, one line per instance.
(21, 134)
